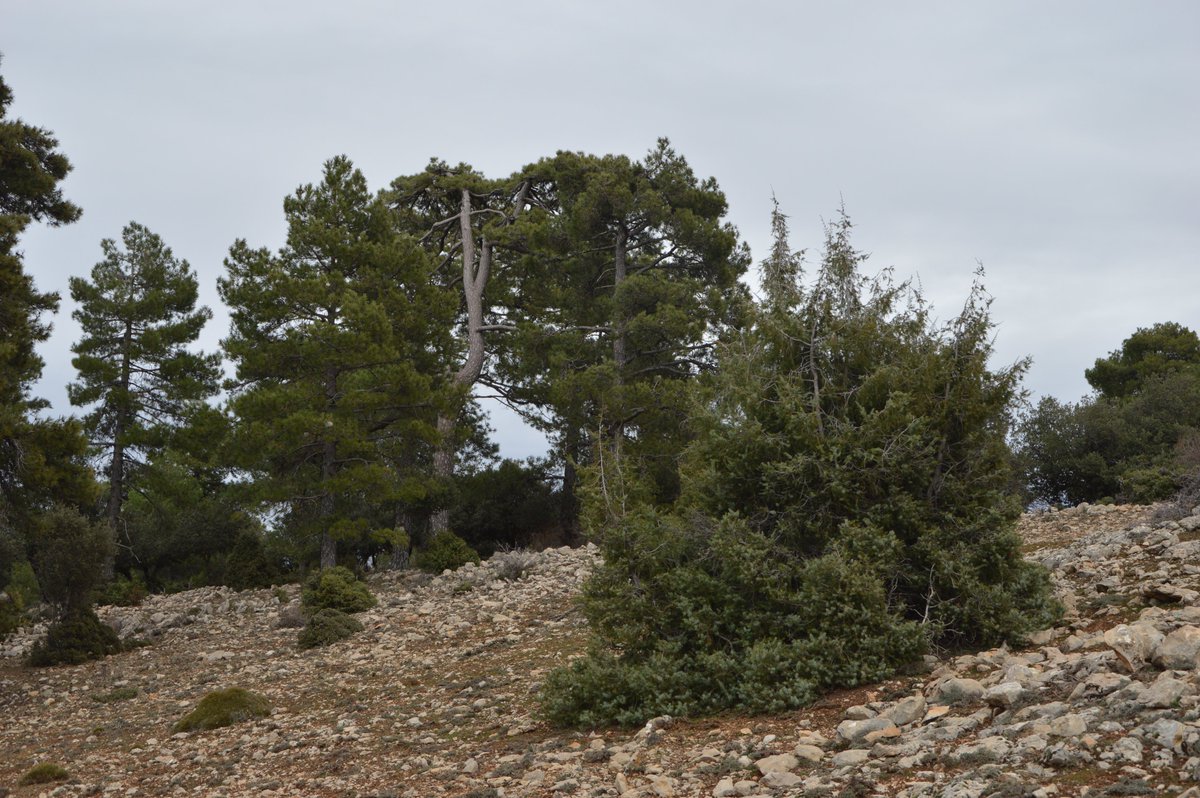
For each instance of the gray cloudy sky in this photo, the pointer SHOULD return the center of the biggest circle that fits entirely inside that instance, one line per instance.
(1056, 143)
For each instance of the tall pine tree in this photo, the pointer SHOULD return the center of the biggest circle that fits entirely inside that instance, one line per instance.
(41, 460)
(138, 315)
(339, 340)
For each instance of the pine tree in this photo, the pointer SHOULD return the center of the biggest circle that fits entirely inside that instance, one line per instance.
(630, 276)
(138, 315)
(338, 340)
(40, 460)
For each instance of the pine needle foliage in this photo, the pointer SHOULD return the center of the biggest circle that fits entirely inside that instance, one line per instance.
(847, 504)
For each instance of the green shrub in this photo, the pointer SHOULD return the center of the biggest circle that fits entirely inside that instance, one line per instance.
(328, 626)
(23, 585)
(846, 502)
(224, 708)
(70, 555)
(77, 638)
(125, 591)
(44, 773)
(11, 615)
(335, 589)
(445, 551)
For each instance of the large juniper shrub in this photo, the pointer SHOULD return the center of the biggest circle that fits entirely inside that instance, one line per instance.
(847, 502)
(77, 638)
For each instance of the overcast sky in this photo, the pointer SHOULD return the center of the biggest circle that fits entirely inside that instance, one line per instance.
(1056, 143)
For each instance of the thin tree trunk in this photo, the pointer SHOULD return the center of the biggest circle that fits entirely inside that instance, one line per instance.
(569, 502)
(620, 356)
(474, 280)
(116, 472)
(328, 470)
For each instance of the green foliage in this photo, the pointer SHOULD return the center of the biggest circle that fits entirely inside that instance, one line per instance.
(338, 341)
(79, 637)
(224, 708)
(124, 591)
(1129, 448)
(336, 589)
(70, 556)
(846, 502)
(509, 504)
(1150, 353)
(11, 614)
(23, 584)
(629, 275)
(328, 626)
(445, 551)
(138, 317)
(44, 773)
(41, 460)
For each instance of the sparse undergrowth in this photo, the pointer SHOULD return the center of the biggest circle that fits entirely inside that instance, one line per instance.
(44, 773)
(224, 708)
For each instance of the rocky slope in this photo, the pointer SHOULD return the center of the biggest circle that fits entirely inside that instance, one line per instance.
(436, 696)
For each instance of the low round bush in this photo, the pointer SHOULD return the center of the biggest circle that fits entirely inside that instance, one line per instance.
(44, 773)
(336, 589)
(328, 626)
(445, 551)
(80, 637)
(224, 708)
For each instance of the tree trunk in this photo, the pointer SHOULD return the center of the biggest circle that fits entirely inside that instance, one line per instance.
(620, 356)
(328, 470)
(568, 513)
(116, 471)
(474, 280)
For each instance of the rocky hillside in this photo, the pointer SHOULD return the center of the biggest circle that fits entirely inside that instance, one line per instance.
(436, 696)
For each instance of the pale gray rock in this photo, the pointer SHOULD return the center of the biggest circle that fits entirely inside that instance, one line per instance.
(777, 763)
(855, 730)
(1070, 725)
(808, 753)
(1166, 691)
(989, 749)
(957, 690)
(853, 756)
(1133, 643)
(1004, 695)
(1180, 650)
(860, 712)
(782, 780)
(907, 710)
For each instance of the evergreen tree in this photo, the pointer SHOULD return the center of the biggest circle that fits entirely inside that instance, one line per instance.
(40, 460)
(138, 316)
(338, 340)
(1151, 352)
(629, 276)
